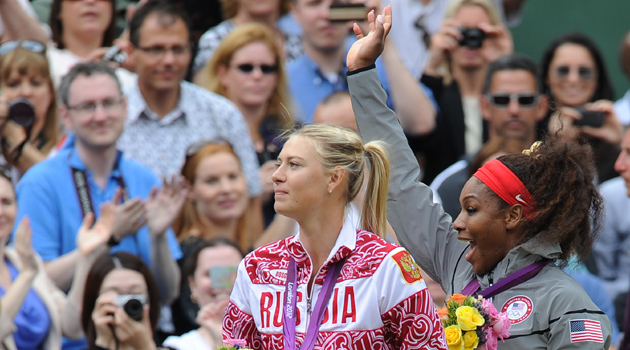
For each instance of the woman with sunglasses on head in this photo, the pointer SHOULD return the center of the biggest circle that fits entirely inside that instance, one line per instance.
(334, 284)
(24, 76)
(247, 68)
(216, 208)
(209, 272)
(522, 215)
(32, 309)
(575, 79)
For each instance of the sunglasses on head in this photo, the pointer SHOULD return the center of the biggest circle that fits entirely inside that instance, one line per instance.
(584, 73)
(503, 100)
(264, 68)
(30, 45)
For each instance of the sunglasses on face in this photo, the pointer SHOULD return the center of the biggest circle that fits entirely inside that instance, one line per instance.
(585, 73)
(503, 100)
(30, 45)
(264, 68)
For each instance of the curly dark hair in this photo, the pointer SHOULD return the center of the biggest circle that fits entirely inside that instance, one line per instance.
(560, 175)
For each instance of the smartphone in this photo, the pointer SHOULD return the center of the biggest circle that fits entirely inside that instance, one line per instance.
(222, 277)
(342, 12)
(593, 119)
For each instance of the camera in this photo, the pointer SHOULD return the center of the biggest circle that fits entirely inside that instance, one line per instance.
(472, 37)
(115, 54)
(593, 119)
(133, 304)
(21, 112)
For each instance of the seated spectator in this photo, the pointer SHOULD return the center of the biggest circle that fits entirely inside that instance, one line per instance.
(81, 31)
(574, 75)
(209, 273)
(622, 106)
(247, 67)
(114, 281)
(237, 12)
(32, 305)
(58, 193)
(216, 208)
(512, 105)
(417, 20)
(611, 250)
(24, 73)
(455, 72)
(168, 114)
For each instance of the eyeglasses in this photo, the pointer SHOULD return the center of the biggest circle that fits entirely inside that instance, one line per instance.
(30, 45)
(88, 108)
(585, 73)
(158, 52)
(503, 100)
(264, 68)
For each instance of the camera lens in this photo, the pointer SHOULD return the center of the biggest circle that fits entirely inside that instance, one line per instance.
(134, 308)
(21, 112)
(472, 37)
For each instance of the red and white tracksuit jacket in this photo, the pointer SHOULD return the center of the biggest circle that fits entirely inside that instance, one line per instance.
(379, 301)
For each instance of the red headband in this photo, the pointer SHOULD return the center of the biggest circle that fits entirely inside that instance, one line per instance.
(506, 185)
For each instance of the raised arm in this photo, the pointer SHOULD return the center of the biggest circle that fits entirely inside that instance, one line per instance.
(421, 226)
(18, 25)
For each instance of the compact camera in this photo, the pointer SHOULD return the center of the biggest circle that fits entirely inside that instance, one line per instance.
(21, 112)
(472, 37)
(115, 54)
(593, 119)
(133, 304)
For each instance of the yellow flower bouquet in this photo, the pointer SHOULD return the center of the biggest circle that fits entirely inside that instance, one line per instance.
(473, 323)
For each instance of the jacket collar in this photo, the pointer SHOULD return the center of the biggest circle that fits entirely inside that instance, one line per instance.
(520, 257)
(344, 245)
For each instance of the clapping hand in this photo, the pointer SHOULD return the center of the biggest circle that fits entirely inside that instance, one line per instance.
(23, 246)
(369, 46)
(128, 217)
(163, 206)
(91, 237)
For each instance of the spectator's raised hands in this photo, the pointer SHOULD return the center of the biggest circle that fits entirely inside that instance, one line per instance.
(163, 206)
(443, 41)
(90, 238)
(23, 246)
(369, 46)
(498, 41)
(563, 122)
(129, 216)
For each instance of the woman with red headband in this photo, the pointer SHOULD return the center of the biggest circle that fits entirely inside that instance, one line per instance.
(522, 216)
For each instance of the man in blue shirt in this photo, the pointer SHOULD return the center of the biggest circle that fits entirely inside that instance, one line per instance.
(57, 193)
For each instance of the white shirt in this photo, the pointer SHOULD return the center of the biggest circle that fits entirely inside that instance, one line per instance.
(161, 144)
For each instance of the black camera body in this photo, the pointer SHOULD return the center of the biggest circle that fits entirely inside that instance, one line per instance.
(472, 37)
(593, 119)
(21, 112)
(133, 304)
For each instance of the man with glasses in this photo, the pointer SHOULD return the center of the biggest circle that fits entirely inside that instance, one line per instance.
(512, 106)
(89, 170)
(166, 113)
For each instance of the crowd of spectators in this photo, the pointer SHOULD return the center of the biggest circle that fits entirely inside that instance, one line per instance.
(139, 140)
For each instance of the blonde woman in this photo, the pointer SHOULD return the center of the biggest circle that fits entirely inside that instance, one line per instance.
(331, 284)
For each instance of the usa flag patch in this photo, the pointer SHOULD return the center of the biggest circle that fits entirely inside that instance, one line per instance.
(586, 330)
